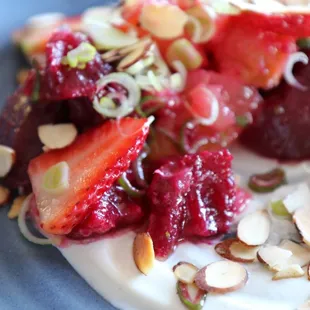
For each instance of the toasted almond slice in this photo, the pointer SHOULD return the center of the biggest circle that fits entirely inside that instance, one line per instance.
(243, 253)
(300, 254)
(165, 21)
(274, 257)
(7, 159)
(185, 272)
(4, 195)
(299, 198)
(57, 136)
(308, 272)
(254, 228)
(221, 277)
(301, 218)
(131, 58)
(236, 251)
(16, 206)
(143, 252)
(292, 271)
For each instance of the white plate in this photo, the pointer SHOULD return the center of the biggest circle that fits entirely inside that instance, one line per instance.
(107, 265)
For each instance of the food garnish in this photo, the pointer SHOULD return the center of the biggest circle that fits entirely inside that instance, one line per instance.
(191, 296)
(7, 159)
(4, 195)
(258, 236)
(16, 207)
(143, 252)
(185, 272)
(267, 182)
(221, 277)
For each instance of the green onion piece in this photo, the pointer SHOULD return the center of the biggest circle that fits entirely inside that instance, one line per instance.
(128, 188)
(191, 296)
(278, 208)
(304, 43)
(36, 89)
(137, 168)
(80, 56)
(56, 178)
(267, 182)
(242, 120)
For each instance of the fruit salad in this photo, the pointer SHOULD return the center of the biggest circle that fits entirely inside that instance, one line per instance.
(124, 120)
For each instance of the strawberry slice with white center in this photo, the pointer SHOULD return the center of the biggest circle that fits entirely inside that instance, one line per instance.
(94, 162)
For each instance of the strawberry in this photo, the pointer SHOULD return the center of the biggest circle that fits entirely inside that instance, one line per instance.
(256, 46)
(289, 24)
(96, 159)
(257, 57)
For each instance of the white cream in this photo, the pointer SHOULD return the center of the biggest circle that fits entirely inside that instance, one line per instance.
(108, 266)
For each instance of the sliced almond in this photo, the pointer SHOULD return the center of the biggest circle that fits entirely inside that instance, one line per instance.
(221, 277)
(22, 76)
(300, 254)
(236, 251)
(254, 228)
(308, 272)
(4, 195)
(57, 136)
(164, 21)
(274, 257)
(7, 159)
(185, 272)
(292, 271)
(301, 218)
(131, 58)
(16, 206)
(143, 252)
(299, 198)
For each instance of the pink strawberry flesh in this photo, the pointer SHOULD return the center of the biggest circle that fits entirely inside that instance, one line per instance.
(96, 160)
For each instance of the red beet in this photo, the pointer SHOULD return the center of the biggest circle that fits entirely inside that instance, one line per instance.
(281, 128)
(115, 210)
(191, 197)
(58, 81)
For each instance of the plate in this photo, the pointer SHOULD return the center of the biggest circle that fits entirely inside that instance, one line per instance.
(35, 277)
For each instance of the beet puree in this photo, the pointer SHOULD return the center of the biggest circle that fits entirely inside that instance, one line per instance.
(281, 128)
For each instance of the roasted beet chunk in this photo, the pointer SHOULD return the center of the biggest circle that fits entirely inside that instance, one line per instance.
(59, 81)
(114, 210)
(167, 194)
(191, 197)
(19, 121)
(281, 128)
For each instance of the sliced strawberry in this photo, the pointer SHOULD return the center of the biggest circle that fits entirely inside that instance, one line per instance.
(257, 57)
(96, 159)
(289, 24)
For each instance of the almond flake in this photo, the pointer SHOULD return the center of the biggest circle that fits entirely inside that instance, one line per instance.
(292, 271)
(4, 195)
(143, 252)
(16, 206)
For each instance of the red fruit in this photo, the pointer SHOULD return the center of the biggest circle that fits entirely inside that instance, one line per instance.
(281, 127)
(191, 197)
(257, 57)
(296, 25)
(114, 210)
(96, 159)
(58, 81)
(234, 98)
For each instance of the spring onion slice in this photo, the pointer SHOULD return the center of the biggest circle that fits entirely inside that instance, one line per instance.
(127, 104)
(36, 88)
(288, 72)
(128, 188)
(138, 168)
(267, 182)
(23, 225)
